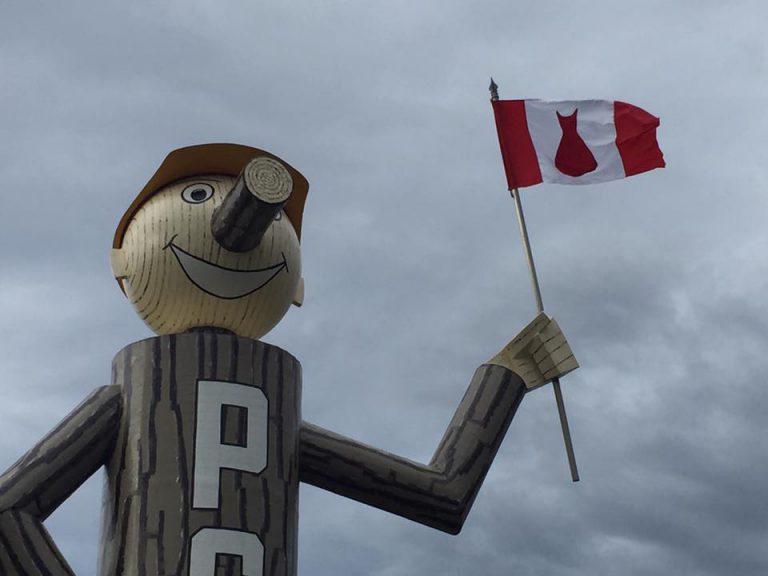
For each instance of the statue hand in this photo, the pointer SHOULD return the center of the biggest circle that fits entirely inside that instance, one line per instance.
(538, 354)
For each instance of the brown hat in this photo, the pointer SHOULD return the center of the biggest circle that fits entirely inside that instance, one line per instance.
(205, 159)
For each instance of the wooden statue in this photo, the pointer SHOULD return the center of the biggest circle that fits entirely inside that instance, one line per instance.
(201, 430)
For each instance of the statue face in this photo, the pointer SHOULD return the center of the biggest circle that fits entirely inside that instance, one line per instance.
(178, 277)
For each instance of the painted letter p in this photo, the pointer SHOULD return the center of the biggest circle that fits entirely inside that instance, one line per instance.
(211, 453)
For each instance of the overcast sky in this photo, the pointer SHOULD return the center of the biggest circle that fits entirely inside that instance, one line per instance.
(413, 265)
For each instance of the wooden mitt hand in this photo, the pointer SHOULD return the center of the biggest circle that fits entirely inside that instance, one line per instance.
(538, 353)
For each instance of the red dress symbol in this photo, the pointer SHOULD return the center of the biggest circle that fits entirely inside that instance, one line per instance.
(573, 156)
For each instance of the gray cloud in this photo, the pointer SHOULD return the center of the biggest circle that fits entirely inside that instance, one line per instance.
(412, 259)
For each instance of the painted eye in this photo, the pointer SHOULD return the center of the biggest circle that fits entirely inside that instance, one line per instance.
(279, 216)
(197, 193)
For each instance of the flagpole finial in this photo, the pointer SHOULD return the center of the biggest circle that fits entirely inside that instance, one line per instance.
(494, 90)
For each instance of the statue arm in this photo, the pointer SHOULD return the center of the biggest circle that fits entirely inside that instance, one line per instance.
(46, 476)
(440, 494)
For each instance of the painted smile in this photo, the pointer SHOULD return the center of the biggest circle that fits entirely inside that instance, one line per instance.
(226, 283)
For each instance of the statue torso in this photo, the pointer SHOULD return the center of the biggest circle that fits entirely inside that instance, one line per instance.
(203, 479)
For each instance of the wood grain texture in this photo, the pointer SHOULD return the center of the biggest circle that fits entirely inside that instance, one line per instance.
(171, 299)
(51, 471)
(440, 494)
(46, 476)
(219, 158)
(144, 428)
(538, 353)
(259, 193)
(26, 548)
(149, 518)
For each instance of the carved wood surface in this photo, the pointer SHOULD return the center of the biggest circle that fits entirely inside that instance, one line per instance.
(149, 517)
(145, 427)
(26, 548)
(259, 193)
(440, 494)
(178, 277)
(46, 476)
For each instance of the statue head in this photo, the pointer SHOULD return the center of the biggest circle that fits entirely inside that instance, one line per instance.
(213, 241)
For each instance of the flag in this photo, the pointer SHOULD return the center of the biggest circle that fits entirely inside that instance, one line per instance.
(575, 142)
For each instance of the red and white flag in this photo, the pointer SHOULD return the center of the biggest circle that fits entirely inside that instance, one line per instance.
(575, 142)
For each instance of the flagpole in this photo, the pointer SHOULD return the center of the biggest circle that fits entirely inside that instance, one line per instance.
(540, 308)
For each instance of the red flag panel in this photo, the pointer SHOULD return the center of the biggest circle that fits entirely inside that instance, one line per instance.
(517, 150)
(636, 138)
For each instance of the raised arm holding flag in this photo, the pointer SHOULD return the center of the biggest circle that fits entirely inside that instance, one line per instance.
(570, 142)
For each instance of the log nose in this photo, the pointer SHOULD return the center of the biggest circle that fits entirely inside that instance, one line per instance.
(260, 192)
